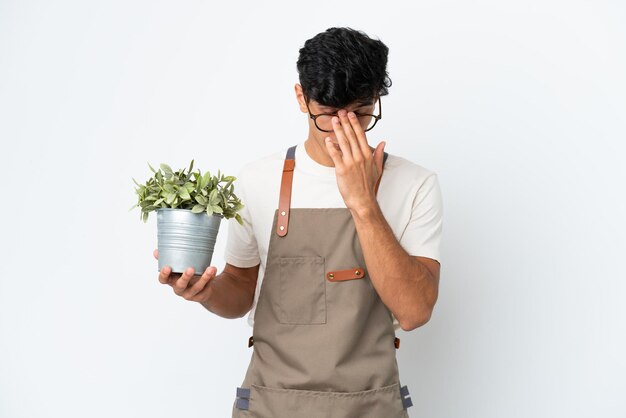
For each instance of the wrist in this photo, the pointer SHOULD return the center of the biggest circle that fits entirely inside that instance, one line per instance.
(366, 212)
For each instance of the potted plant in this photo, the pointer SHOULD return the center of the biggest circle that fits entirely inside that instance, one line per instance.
(189, 208)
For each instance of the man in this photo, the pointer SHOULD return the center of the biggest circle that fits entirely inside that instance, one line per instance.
(328, 266)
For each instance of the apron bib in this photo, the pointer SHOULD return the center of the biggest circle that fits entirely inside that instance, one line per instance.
(324, 342)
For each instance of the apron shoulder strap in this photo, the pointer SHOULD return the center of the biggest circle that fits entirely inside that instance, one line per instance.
(284, 201)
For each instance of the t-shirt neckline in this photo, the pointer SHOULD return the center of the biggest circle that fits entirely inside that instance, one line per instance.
(305, 163)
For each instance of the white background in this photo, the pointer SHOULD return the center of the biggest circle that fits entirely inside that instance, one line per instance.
(518, 106)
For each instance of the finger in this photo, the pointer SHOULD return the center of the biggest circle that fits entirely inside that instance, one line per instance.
(155, 253)
(379, 153)
(169, 277)
(164, 274)
(181, 283)
(360, 134)
(343, 142)
(199, 286)
(346, 125)
(335, 154)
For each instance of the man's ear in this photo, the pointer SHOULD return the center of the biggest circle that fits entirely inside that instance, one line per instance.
(300, 98)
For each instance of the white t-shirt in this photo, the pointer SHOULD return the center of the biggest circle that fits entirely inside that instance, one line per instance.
(408, 194)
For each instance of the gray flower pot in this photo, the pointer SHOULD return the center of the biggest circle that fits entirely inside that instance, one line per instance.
(186, 239)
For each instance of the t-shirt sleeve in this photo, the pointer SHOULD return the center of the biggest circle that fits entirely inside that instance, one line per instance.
(422, 235)
(241, 245)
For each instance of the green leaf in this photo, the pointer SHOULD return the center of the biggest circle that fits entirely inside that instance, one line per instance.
(213, 197)
(206, 179)
(202, 200)
(166, 169)
(217, 208)
(183, 193)
(239, 219)
(198, 209)
(152, 168)
(189, 186)
(169, 198)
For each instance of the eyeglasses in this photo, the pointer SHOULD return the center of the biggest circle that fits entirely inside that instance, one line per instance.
(324, 121)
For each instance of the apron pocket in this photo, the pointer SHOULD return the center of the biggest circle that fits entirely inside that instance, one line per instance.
(266, 402)
(302, 296)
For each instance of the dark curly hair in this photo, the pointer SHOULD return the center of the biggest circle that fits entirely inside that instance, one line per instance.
(342, 65)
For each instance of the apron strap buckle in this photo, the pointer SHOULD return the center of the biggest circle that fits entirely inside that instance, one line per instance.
(406, 398)
(243, 398)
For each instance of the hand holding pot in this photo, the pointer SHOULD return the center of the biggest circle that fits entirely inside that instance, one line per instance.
(187, 285)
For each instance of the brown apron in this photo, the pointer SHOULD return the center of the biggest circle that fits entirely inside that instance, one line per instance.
(324, 342)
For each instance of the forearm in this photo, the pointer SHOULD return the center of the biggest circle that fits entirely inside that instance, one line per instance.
(229, 297)
(404, 284)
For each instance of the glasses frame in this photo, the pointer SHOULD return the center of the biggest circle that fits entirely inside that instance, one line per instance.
(376, 117)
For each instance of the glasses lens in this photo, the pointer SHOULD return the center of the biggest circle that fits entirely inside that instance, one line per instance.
(367, 122)
(324, 122)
